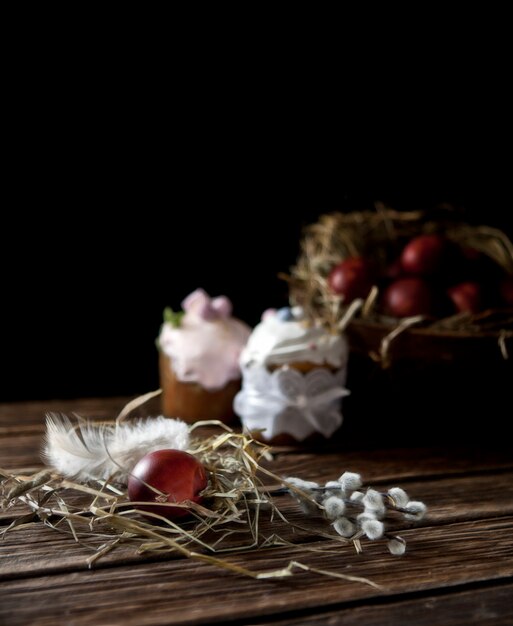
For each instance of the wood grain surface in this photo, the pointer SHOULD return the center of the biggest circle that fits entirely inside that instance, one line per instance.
(458, 568)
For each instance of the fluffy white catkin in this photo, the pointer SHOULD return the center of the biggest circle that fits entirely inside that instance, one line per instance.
(88, 451)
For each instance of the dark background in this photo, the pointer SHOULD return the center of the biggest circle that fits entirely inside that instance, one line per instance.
(128, 184)
(139, 168)
(107, 248)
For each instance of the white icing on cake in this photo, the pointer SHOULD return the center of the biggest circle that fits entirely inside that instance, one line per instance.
(277, 342)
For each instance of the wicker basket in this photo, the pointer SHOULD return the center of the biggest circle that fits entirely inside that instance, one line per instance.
(419, 370)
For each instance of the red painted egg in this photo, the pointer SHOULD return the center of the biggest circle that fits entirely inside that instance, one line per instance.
(408, 296)
(466, 297)
(425, 255)
(352, 278)
(176, 475)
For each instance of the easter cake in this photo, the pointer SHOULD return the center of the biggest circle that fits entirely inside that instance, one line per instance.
(199, 358)
(294, 374)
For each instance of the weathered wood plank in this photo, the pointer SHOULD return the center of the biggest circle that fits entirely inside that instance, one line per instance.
(21, 451)
(456, 498)
(403, 463)
(24, 450)
(27, 418)
(45, 580)
(31, 414)
(449, 500)
(183, 592)
(492, 606)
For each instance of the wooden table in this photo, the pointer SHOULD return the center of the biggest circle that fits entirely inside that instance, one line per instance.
(458, 568)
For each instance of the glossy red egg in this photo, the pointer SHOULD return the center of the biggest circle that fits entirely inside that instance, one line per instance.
(425, 255)
(408, 296)
(466, 297)
(352, 278)
(178, 475)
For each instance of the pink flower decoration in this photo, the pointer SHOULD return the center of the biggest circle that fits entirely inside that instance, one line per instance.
(199, 303)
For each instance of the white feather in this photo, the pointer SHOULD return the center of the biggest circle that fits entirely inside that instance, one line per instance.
(88, 451)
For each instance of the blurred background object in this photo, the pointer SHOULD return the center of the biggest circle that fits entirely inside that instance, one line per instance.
(424, 364)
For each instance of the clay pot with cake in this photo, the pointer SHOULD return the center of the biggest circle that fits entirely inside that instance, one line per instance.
(199, 352)
(294, 374)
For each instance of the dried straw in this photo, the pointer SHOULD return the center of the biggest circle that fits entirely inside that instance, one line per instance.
(376, 234)
(231, 519)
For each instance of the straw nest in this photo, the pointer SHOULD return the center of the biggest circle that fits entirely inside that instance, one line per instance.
(380, 235)
(245, 507)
